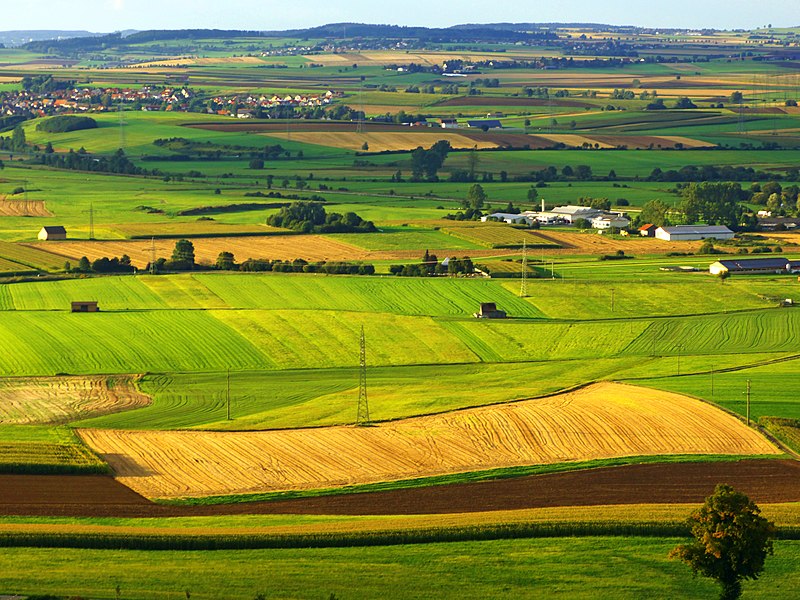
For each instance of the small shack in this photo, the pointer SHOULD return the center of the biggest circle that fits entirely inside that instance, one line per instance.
(489, 310)
(54, 232)
(85, 307)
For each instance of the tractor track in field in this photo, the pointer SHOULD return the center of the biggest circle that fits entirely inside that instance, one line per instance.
(765, 481)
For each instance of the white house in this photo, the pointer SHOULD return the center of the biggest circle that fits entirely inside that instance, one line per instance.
(609, 221)
(693, 232)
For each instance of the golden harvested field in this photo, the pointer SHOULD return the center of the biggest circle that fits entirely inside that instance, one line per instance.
(281, 247)
(29, 400)
(495, 235)
(23, 208)
(573, 140)
(604, 420)
(594, 243)
(189, 229)
(380, 141)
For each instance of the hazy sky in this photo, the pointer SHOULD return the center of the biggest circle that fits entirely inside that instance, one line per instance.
(111, 15)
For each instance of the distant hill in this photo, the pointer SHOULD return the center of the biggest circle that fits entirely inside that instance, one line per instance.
(95, 42)
(21, 37)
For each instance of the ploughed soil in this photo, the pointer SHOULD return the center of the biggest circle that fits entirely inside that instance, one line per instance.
(765, 481)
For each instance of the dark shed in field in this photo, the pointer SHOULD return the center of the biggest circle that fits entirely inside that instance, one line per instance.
(489, 311)
(85, 307)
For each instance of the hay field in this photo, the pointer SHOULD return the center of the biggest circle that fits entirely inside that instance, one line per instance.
(574, 140)
(380, 141)
(23, 208)
(594, 243)
(288, 247)
(495, 235)
(39, 400)
(601, 421)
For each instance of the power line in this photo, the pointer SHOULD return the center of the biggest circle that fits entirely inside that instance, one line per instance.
(362, 418)
(523, 288)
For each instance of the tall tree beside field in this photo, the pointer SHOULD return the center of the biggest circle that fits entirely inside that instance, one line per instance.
(183, 252)
(732, 540)
(714, 203)
(655, 212)
(476, 197)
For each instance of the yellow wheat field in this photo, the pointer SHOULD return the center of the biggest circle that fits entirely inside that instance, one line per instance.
(600, 421)
(31, 400)
(379, 141)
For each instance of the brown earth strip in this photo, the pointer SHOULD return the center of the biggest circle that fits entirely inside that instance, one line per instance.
(765, 481)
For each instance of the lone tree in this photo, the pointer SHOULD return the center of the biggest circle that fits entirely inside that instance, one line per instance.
(732, 540)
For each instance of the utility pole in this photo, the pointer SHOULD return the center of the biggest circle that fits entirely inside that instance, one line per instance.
(152, 256)
(91, 221)
(748, 402)
(362, 418)
(680, 347)
(523, 289)
(612, 299)
(712, 382)
(228, 393)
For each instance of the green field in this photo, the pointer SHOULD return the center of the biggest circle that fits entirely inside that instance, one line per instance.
(619, 568)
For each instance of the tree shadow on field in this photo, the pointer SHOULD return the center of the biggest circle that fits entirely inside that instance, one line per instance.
(124, 466)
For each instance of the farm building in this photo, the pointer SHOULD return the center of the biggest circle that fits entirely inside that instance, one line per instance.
(54, 232)
(693, 232)
(489, 310)
(571, 213)
(609, 221)
(778, 223)
(647, 230)
(747, 266)
(448, 123)
(508, 218)
(85, 307)
(485, 124)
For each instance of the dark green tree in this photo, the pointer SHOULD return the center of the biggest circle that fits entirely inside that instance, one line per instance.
(655, 212)
(183, 252)
(732, 540)
(476, 197)
(716, 203)
(225, 261)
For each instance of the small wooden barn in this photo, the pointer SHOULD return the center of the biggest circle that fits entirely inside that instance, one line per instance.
(85, 307)
(54, 232)
(489, 310)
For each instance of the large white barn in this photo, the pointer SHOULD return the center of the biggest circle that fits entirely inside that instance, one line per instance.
(693, 232)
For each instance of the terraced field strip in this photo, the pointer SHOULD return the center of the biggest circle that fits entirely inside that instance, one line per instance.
(288, 247)
(23, 208)
(6, 266)
(496, 235)
(382, 141)
(42, 400)
(189, 229)
(601, 421)
(38, 258)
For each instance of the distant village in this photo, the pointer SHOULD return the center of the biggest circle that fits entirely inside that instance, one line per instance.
(30, 103)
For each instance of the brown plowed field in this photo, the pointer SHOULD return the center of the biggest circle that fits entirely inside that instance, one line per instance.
(765, 481)
(603, 420)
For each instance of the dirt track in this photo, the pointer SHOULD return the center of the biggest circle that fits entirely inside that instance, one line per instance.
(765, 481)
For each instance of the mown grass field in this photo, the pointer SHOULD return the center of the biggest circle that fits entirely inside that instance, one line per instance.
(620, 568)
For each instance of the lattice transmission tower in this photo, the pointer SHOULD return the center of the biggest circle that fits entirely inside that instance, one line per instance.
(363, 405)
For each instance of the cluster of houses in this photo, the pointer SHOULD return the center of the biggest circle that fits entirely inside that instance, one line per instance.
(564, 215)
(26, 103)
(244, 107)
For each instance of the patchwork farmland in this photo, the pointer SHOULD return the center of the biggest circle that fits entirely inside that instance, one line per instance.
(218, 402)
